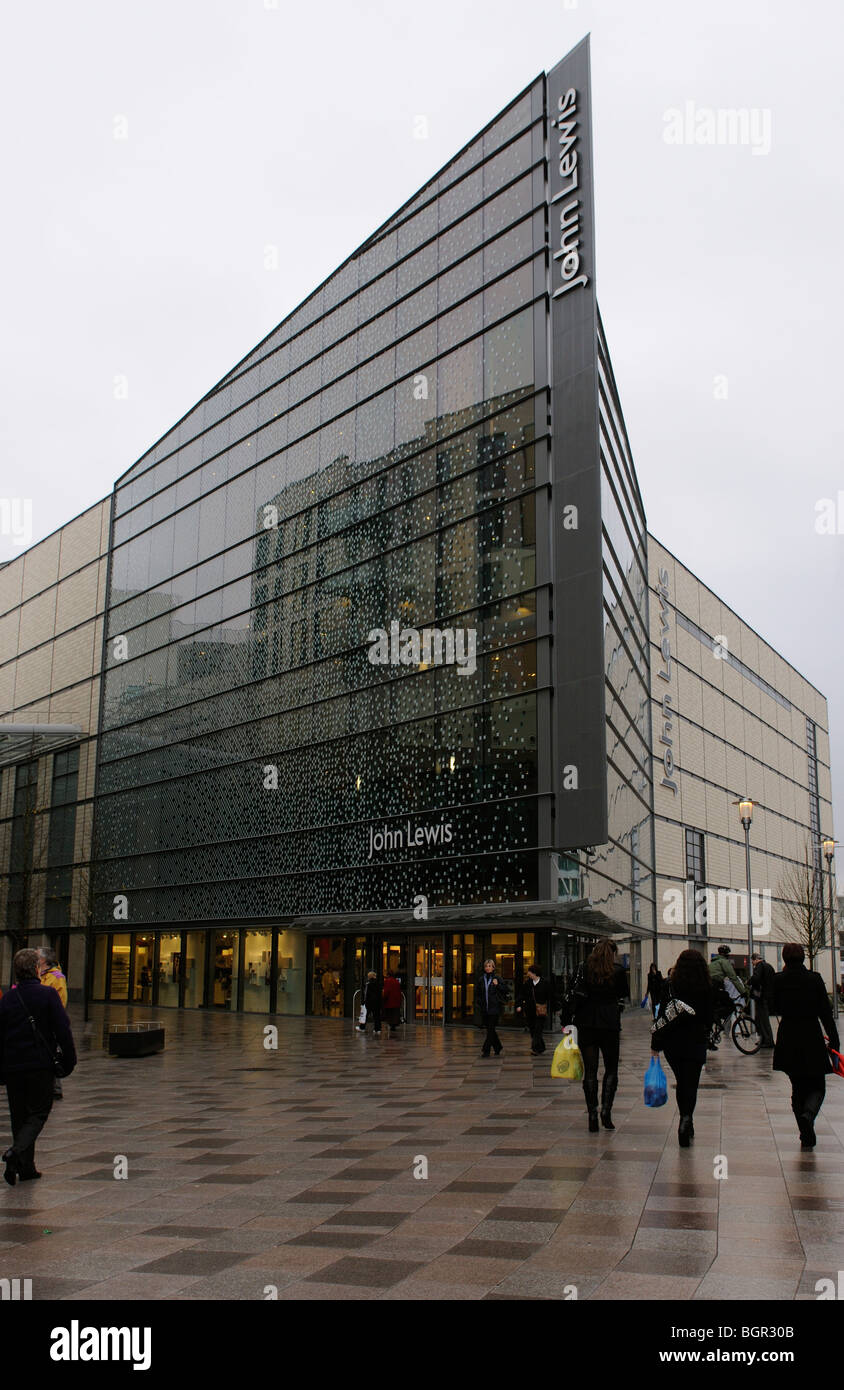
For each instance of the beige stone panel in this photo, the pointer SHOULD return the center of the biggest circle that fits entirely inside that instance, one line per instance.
(748, 646)
(668, 841)
(94, 707)
(9, 624)
(689, 695)
(767, 666)
(690, 754)
(772, 789)
(774, 834)
(41, 566)
(105, 522)
(71, 659)
(713, 711)
(771, 746)
(686, 594)
(666, 802)
(717, 860)
(102, 578)
(717, 811)
(686, 648)
(735, 686)
(710, 612)
(37, 621)
(80, 541)
(7, 689)
(715, 760)
(76, 599)
(753, 736)
(694, 800)
(32, 676)
(793, 837)
(733, 723)
(11, 584)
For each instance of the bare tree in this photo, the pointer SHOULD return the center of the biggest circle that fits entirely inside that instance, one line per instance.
(801, 891)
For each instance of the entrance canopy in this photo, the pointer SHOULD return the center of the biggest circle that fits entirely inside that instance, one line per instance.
(19, 741)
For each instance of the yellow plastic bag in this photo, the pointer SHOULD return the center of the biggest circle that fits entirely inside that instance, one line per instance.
(567, 1062)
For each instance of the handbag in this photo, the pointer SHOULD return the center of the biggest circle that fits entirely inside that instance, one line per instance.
(56, 1054)
(567, 1062)
(542, 1011)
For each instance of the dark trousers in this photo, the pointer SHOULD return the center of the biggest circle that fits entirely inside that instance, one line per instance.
(763, 1022)
(373, 1016)
(537, 1028)
(807, 1095)
(30, 1096)
(687, 1075)
(492, 1039)
(607, 1042)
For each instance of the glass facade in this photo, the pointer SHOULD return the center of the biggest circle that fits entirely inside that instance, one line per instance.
(328, 661)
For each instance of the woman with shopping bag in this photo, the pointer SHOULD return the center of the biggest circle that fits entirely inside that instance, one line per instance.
(681, 1031)
(598, 991)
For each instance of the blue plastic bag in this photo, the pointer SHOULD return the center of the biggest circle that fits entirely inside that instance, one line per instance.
(644, 1002)
(656, 1085)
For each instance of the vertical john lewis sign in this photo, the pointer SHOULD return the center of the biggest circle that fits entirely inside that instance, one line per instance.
(579, 701)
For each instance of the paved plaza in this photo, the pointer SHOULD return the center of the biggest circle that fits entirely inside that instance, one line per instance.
(253, 1171)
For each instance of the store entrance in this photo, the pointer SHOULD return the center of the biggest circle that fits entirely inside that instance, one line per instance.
(426, 996)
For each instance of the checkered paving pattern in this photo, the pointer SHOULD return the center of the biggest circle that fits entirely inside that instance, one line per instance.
(291, 1173)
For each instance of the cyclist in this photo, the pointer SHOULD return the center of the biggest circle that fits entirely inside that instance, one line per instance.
(721, 969)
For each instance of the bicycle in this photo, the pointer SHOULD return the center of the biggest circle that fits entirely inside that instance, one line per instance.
(744, 1030)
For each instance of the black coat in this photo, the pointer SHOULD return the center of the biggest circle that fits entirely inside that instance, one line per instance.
(373, 994)
(679, 1033)
(498, 994)
(20, 1050)
(762, 982)
(599, 1006)
(799, 997)
(655, 985)
(531, 995)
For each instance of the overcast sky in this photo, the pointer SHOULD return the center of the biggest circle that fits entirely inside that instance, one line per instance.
(151, 153)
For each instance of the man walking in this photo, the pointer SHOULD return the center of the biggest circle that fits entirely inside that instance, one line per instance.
(534, 1002)
(761, 989)
(489, 998)
(32, 1025)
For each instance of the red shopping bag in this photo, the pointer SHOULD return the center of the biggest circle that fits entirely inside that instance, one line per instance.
(837, 1060)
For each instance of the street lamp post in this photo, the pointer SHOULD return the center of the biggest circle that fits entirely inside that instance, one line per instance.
(829, 851)
(746, 815)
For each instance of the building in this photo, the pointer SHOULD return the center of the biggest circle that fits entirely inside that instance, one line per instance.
(380, 670)
(52, 600)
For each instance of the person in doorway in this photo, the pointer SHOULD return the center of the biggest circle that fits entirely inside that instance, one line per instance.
(654, 987)
(391, 996)
(599, 991)
(329, 990)
(799, 997)
(33, 1024)
(533, 1006)
(761, 990)
(50, 973)
(489, 1001)
(682, 1032)
(373, 994)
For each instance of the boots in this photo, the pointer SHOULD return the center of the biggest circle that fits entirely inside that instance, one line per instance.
(590, 1090)
(608, 1091)
(685, 1131)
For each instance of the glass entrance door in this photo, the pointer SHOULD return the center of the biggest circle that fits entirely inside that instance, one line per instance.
(428, 991)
